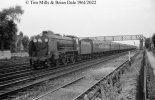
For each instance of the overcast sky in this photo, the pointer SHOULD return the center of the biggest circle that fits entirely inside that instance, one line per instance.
(105, 18)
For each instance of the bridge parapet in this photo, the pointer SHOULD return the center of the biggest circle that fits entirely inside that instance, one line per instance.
(149, 76)
(109, 86)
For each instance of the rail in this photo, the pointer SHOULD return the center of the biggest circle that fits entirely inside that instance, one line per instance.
(109, 83)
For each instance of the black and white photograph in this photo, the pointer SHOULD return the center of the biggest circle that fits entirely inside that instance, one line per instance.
(77, 49)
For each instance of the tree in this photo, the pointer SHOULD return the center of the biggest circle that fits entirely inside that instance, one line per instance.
(25, 42)
(153, 39)
(8, 27)
(147, 43)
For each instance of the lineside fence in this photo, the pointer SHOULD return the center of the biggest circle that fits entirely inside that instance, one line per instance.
(109, 86)
(149, 75)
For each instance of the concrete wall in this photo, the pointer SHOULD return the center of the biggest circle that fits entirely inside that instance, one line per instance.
(20, 54)
(5, 54)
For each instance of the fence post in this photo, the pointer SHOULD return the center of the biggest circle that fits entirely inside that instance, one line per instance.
(129, 59)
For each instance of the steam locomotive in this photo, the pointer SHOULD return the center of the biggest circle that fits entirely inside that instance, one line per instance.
(49, 49)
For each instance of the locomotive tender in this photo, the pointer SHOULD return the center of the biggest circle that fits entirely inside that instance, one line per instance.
(53, 49)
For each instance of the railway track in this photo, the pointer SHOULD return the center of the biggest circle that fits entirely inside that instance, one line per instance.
(63, 86)
(8, 63)
(14, 68)
(30, 78)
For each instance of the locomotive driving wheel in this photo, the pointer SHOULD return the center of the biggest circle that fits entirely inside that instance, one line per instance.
(65, 60)
(48, 63)
(72, 58)
(35, 65)
(57, 63)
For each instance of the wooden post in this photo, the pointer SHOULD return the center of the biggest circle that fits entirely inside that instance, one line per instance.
(129, 59)
(129, 55)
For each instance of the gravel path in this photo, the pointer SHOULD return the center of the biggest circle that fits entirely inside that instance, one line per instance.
(91, 74)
